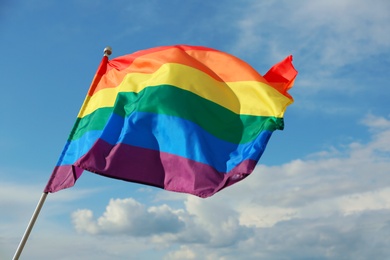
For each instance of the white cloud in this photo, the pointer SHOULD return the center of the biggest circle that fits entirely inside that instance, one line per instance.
(184, 252)
(201, 223)
(127, 216)
(375, 123)
(334, 33)
(219, 224)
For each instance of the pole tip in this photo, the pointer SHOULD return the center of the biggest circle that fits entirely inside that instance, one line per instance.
(107, 51)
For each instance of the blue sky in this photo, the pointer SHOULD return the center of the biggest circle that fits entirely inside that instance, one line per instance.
(320, 191)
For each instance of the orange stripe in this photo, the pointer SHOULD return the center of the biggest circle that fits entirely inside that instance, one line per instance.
(220, 66)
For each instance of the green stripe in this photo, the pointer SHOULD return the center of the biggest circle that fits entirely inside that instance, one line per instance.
(169, 100)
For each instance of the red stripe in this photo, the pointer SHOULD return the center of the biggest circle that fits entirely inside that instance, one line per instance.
(282, 75)
(123, 62)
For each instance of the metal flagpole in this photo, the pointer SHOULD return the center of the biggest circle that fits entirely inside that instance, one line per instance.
(30, 226)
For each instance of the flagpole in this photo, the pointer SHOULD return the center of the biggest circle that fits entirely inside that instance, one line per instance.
(30, 226)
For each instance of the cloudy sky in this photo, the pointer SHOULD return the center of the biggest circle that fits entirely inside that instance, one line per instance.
(320, 191)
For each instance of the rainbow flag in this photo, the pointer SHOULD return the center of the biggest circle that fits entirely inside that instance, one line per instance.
(183, 118)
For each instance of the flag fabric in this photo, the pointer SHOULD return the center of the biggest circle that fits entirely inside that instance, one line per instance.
(183, 118)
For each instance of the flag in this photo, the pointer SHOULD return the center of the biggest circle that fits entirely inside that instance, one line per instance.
(183, 118)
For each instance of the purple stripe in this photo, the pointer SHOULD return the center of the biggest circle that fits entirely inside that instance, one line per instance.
(63, 177)
(167, 171)
(124, 162)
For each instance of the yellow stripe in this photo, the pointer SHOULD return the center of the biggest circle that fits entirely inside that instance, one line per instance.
(243, 97)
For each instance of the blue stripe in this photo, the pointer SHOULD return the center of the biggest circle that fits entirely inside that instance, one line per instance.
(73, 150)
(172, 135)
